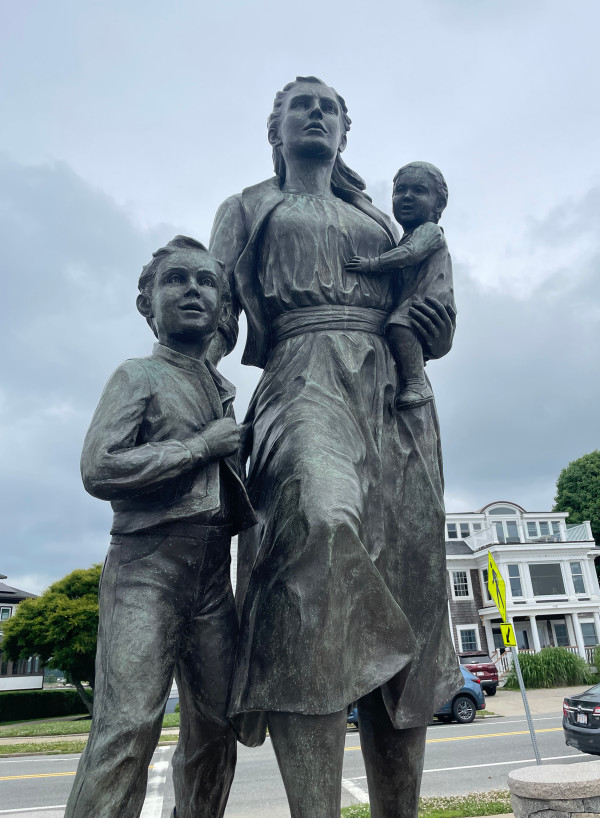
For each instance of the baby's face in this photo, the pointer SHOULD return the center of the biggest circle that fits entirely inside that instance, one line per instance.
(414, 198)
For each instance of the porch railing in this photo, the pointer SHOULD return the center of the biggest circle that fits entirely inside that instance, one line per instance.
(503, 661)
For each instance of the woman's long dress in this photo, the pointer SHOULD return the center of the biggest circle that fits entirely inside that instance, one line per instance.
(347, 591)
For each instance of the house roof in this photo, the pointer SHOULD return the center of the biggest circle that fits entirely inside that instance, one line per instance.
(455, 547)
(10, 594)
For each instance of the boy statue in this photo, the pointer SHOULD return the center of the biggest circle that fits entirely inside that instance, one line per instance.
(162, 447)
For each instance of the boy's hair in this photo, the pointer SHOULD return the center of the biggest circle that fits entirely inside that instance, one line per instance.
(148, 274)
(435, 174)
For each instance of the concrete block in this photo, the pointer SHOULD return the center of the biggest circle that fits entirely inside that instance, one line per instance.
(584, 815)
(557, 782)
(524, 807)
(566, 804)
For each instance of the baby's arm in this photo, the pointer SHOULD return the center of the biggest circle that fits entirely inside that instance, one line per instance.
(113, 466)
(423, 241)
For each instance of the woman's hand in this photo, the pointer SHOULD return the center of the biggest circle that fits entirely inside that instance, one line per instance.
(434, 325)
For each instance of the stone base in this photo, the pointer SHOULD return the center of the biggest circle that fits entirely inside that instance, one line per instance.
(556, 791)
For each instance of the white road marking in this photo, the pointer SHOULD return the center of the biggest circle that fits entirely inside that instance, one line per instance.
(44, 759)
(488, 726)
(493, 764)
(32, 810)
(155, 792)
(498, 763)
(358, 792)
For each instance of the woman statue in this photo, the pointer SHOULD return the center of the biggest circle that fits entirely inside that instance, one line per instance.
(342, 583)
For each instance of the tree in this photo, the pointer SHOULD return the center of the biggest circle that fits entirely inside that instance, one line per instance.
(578, 491)
(61, 627)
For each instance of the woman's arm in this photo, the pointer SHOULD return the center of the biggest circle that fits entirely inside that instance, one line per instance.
(227, 241)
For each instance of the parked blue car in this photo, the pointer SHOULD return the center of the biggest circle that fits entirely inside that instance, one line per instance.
(469, 699)
(463, 707)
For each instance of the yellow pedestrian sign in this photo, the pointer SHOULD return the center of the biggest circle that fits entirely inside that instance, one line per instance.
(496, 586)
(508, 636)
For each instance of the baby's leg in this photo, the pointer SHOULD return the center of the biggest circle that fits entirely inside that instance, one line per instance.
(408, 354)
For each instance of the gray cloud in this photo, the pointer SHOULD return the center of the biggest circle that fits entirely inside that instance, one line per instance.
(519, 394)
(71, 259)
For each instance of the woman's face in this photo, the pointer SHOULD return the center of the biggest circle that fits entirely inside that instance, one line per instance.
(311, 122)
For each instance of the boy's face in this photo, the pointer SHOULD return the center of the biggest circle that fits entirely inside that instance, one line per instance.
(186, 296)
(414, 198)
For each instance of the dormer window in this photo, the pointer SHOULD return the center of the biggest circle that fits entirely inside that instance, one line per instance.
(543, 528)
(507, 531)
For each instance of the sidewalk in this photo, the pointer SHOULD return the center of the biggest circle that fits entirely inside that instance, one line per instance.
(545, 701)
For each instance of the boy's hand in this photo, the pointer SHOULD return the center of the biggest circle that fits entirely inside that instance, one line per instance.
(221, 437)
(358, 264)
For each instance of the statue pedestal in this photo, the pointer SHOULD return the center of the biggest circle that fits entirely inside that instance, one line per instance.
(556, 790)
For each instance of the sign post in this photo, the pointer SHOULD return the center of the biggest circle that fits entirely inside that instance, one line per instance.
(497, 589)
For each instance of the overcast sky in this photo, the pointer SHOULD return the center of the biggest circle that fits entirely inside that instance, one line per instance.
(124, 123)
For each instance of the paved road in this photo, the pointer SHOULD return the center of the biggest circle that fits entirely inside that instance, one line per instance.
(459, 759)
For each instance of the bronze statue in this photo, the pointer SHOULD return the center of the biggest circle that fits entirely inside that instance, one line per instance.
(423, 262)
(342, 592)
(162, 447)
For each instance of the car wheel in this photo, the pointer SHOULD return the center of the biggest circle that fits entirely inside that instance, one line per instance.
(491, 691)
(463, 709)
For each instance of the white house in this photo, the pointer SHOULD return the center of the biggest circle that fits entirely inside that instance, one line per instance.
(552, 591)
(26, 674)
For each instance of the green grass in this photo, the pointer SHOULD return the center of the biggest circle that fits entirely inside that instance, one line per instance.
(56, 747)
(43, 748)
(494, 802)
(63, 728)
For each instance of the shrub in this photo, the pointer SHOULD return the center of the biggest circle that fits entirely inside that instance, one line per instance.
(19, 705)
(551, 667)
(597, 658)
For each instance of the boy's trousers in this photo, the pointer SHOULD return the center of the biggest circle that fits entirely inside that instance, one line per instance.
(166, 607)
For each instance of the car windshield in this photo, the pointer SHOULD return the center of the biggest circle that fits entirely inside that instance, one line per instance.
(593, 691)
(482, 659)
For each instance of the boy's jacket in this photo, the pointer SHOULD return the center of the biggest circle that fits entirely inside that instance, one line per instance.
(133, 454)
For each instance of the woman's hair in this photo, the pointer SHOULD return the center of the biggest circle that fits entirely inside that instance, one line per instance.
(439, 183)
(345, 182)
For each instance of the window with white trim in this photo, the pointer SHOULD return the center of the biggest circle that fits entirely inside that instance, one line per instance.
(543, 528)
(590, 637)
(486, 591)
(465, 530)
(460, 585)
(577, 576)
(452, 531)
(547, 579)
(514, 577)
(467, 635)
(5, 613)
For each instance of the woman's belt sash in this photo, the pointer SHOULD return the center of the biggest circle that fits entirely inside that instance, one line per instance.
(331, 317)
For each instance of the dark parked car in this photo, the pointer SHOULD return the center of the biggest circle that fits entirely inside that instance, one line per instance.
(463, 707)
(469, 699)
(482, 666)
(581, 721)
(352, 714)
